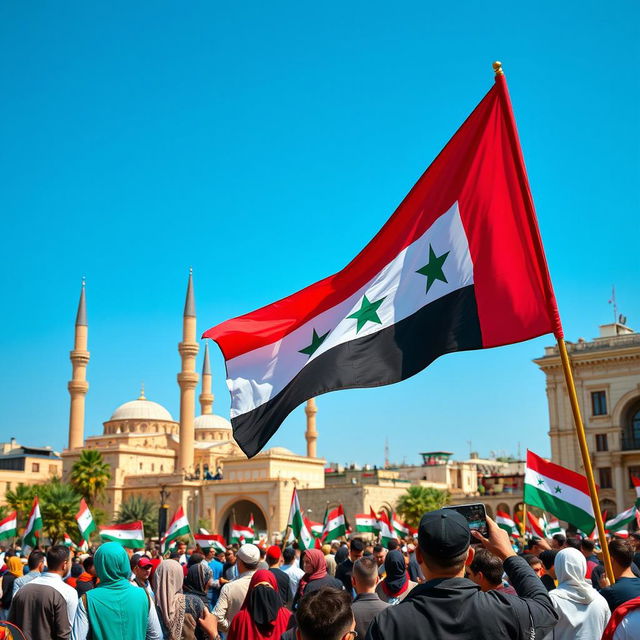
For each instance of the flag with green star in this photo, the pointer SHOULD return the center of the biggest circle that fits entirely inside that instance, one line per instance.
(459, 266)
(560, 491)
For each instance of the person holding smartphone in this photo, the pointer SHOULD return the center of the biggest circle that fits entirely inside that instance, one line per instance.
(449, 606)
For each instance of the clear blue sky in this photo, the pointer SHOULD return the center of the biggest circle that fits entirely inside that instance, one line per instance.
(265, 144)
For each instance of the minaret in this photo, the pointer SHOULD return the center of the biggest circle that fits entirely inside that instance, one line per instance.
(78, 385)
(311, 434)
(206, 397)
(188, 380)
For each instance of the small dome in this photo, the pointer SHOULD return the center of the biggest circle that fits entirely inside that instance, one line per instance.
(211, 421)
(141, 409)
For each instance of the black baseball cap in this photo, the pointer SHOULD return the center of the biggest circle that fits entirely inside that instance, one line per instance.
(444, 533)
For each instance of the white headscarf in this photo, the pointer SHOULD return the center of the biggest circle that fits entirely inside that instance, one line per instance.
(583, 613)
(571, 568)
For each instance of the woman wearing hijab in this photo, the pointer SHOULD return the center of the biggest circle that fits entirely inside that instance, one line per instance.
(197, 582)
(262, 616)
(396, 584)
(115, 609)
(179, 612)
(315, 575)
(14, 570)
(583, 613)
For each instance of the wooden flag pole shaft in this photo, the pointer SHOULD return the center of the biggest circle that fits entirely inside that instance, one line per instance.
(524, 525)
(584, 450)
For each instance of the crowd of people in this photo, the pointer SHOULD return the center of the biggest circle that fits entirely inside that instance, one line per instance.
(447, 582)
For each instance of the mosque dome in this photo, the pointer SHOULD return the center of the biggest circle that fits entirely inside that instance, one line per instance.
(141, 409)
(211, 421)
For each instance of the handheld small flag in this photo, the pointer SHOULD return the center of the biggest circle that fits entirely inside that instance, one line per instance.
(179, 526)
(9, 526)
(316, 528)
(504, 521)
(68, 542)
(561, 492)
(242, 535)
(334, 525)
(129, 535)
(297, 524)
(401, 528)
(458, 266)
(621, 520)
(636, 485)
(34, 525)
(387, 533)
(85, 520)
(208, 541)
(367, 522)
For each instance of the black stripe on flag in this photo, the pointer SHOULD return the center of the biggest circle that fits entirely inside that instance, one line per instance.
(387, 356)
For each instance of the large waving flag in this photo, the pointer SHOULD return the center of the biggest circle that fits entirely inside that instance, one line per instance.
(622, 520)
(561, 492)
(335, 524)
(296, 523)
(459, 265)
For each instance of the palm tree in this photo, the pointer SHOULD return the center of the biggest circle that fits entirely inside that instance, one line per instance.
(417, 501)
(90, 475)
(59, 504)
(139, 508)
(20, 500)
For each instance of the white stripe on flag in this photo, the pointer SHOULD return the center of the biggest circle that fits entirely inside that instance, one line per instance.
(257, 376)
(566, 492)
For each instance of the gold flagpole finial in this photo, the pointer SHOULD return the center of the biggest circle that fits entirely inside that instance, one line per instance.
(497, 67)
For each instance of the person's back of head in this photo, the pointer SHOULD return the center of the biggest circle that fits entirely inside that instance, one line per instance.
(392, 545)
(57, 556)
(587, 547)
(194, 558)
(621, 552)
(486, 570)
(365, 574)
(87, 564)
(574, 543)
(443, 542)
(325, 614)
(288, 555)
(357, 545)
(36, 558)
(559, 541)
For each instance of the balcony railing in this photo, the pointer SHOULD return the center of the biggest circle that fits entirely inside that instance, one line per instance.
(629, 442)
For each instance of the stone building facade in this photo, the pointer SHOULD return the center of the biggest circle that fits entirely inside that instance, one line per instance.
(607, 375)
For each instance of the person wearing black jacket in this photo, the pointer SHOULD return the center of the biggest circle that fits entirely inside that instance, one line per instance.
(345, 569)
(449, 606)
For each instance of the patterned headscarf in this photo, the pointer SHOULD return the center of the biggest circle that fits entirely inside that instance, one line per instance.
(169, 597)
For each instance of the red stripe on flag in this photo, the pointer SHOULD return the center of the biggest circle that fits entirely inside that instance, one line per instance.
(482, 169)
(555, 471)
(129, 526)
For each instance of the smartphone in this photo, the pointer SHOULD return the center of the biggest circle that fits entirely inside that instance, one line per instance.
(475, 514)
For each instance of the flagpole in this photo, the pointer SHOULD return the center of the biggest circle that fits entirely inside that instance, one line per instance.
(524, 524)
(553, 315)
(586, 460)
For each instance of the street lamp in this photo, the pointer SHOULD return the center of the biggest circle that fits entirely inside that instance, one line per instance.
(162, 511)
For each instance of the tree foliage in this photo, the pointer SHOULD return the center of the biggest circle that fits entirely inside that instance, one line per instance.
(20, 500)
(59, 503)
(139, 508)
(417, 501)
(90, 475)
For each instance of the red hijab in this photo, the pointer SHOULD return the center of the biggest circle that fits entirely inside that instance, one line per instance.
(243, 626)
(315, 557)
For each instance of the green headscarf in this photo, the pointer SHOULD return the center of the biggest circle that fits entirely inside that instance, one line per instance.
(117, 610)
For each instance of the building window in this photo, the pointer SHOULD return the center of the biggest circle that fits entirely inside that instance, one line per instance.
(604, 475)
(601, 442)
(141, 466)
(35, 467)
(598, 403)
(633, 471)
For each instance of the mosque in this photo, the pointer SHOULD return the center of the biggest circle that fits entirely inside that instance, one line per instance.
(194, 461)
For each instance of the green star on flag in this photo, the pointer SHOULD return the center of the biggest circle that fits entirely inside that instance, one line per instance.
(433, 268)
(368, 312)
(558, 489)
(316, 341)
(540, 481)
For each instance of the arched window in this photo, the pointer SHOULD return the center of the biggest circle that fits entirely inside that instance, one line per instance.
(631, 427)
